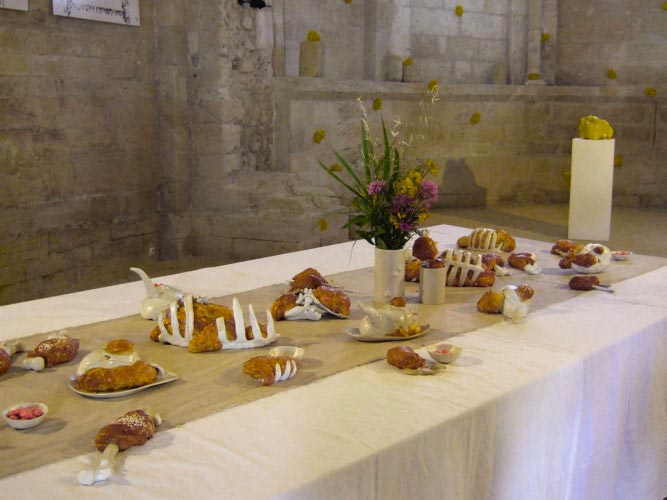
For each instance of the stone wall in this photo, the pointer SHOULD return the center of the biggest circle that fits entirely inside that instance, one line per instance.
(519, 151)
(77, 151)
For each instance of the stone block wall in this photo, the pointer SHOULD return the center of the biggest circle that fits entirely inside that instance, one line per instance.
(518, 152)
(77, 151)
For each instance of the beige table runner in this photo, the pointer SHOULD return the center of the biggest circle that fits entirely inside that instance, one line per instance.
(210, 382)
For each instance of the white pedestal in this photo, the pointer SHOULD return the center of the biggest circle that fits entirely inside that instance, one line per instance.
(591, 186)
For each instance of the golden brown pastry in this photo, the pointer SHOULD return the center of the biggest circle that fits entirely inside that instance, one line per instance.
(205, 334)
(51, 352)
(334, 300)
(5, 361)
(132, 429)
(521, 260)
(525, 292)
(424, 248)
(404, 357)
(283, 304)
(263, 368)
(412, 270)
(491, 302)
(483, 276)
(118, 378)
(584, 282)
(485, 239)
(563, 247)
(120, 346)
(308, 278)
(398, 302)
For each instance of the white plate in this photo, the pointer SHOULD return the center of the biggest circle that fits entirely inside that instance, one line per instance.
(163, 377)
(354, 333)
(25, 424)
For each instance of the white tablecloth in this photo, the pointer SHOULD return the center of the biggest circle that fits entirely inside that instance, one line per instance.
(570, 404)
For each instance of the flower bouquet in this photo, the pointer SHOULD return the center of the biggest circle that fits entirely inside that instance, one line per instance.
(389, 201)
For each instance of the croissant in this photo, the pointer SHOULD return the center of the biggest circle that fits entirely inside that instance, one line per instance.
(404, 357)
(308, 278)
(524, 261)
(491, 302)
(563, 247)
(283, 304)
(484, 239)
(51, 352)
(132, 429)
(118, 378)
(335, 300)
(412, 270)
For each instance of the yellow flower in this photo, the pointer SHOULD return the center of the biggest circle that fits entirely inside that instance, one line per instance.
(533, 76)
(408, 61)
(545, 37)
(336, 167)
(377, 103)
(323, 225)
(650, 92)
(475, 118)
(318, 136)
(458, 10)
(433, 85)
(432, 166)
(664, 5)
(348, 1)
(618, 161)
(313, 36)
(611, 73)
(422, 217)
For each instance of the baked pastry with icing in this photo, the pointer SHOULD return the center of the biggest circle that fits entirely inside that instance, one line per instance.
(55, 350)
(487, 240)
(511, 301)
(308, 278)
(525, 261)
(132, 429)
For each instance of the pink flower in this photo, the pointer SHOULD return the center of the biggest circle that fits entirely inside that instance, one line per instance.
(376, 187)
(429, 190)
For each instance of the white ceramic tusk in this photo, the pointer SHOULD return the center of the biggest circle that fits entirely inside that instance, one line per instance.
(103, 469)
(238, 319)
(270, 326)
(256, 332)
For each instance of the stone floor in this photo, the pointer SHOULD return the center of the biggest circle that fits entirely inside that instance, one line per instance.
(641, 231)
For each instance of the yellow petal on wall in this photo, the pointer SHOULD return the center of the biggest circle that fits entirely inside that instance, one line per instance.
(611, 73)
(318, 136)
(323, 224)
(336, 167)
(458, 10)
(313, 36)
(433, 85)
(545, 37)
(475, 118)
(618, 161)
(377, 103)
(650, 92)
(408, 61)
(348, 1)
(533, 76)
(664, 5)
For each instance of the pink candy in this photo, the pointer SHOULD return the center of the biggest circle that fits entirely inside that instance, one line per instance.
(25, 413)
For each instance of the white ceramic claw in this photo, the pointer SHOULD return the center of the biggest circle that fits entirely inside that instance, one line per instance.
(158, 296)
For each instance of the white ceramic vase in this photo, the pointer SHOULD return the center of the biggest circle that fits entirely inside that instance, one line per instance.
(389, 275)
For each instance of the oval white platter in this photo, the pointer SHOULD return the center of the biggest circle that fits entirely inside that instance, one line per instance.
(354, 333)
(163, 377)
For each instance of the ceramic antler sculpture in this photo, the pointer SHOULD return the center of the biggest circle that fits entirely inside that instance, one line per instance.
(172, 333)
(158, 296)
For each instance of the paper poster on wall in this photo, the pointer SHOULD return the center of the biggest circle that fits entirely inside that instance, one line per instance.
(14, 4)
(110, 11)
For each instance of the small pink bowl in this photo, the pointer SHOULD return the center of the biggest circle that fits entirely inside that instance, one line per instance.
(621, 254)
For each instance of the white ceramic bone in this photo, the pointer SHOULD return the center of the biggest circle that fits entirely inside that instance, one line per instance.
(513, 307)
(309, 307)
(532, 268)
(603, 259)
(182, 339)
(38, 363)
(158, 296)
(378, 322)
(460, 259)
(290, 371)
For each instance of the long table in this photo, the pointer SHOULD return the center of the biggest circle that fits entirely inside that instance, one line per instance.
(570, 403)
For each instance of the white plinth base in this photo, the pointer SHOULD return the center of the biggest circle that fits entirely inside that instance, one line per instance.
(591, 186)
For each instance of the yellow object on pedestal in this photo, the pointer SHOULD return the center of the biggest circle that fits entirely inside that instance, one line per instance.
(592, 127)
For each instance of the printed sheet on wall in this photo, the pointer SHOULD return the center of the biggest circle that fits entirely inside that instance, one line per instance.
(110, 11)
(14, 4)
